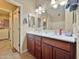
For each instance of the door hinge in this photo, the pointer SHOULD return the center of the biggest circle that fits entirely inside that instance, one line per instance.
(19, 45)
(19, 12)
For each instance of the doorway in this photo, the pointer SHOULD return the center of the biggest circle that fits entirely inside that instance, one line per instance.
(15, 26)
(10, 28)
(16, 29)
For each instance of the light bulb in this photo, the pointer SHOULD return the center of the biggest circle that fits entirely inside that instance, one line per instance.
(40, 8)
(36, 10)
(30, 14)
(44, 20)
(43, 11)
(53, 1)
(39, 13)
(55, 6)
(62, 3)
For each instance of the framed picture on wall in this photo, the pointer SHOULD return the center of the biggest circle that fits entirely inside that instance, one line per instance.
(31, 21)
(25, 21)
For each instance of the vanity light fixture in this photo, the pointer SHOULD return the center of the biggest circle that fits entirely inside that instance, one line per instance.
(40, 10)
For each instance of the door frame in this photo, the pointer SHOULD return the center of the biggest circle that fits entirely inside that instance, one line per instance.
(20, 7)
(13, 30)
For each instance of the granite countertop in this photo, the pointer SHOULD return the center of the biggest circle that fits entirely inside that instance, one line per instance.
(57, 37)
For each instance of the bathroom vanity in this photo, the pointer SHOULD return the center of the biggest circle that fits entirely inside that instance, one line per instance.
(51, 46)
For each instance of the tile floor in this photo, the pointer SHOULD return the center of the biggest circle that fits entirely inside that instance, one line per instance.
(6, 52)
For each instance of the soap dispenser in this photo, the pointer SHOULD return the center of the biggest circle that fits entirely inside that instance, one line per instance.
(60, 31)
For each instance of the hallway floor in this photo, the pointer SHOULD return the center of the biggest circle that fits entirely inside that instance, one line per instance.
(6, 52)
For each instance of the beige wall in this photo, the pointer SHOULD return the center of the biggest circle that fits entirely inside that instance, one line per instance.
(29, 6)
(68, 21)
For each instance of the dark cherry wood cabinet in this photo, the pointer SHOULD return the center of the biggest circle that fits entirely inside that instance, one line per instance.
(46, 51)
(38, 52)
(59, 49)
(49, 48)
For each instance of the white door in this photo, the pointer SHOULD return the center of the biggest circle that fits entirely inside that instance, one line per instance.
(16, 29)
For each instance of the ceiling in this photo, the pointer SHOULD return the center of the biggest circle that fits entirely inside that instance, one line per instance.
(4, 13)
(5, 5)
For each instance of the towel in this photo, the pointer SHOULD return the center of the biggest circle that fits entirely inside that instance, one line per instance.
(73, 4)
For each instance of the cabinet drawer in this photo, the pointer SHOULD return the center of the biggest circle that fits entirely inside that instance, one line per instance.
(59, 44)
(38, 40)
(30, 36)
(60, 54)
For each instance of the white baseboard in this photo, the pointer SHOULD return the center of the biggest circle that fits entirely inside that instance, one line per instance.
(25, 51)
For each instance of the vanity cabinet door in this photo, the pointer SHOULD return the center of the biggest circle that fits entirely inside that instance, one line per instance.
(38, 52)
(46, 51)
(60, 54)
(30, 44)
(38, 49)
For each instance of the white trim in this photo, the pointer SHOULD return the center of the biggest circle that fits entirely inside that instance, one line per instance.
(25, 51)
